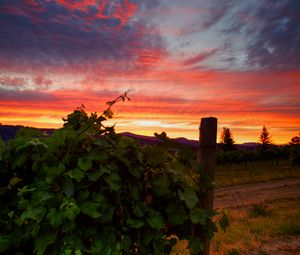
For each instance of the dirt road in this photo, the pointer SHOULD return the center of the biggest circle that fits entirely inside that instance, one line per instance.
(275, 192)
(239, 195)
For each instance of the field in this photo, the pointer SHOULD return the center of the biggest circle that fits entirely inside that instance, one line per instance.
(262, 202)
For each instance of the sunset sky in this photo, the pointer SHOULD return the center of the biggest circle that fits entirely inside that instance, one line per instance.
(238, 61)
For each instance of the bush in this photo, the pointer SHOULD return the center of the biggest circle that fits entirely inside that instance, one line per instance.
(87, 190)
(260, 209)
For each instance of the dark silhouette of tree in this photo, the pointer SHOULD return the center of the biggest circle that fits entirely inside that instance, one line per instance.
(226, 139)
(295, 140)
(162, 136)
(265, 139)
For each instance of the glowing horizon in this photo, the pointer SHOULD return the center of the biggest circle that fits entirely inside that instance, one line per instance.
(236, 61)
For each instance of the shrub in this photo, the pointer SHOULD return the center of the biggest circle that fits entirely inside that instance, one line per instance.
(87, 190)
(260, 209)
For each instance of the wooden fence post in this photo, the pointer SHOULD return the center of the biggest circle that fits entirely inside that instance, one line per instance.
(206, 156)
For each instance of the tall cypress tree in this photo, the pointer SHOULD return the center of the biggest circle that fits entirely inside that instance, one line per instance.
(226, 139)
(265, 138)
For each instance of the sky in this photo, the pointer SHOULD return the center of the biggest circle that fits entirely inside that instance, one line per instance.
(238, 61)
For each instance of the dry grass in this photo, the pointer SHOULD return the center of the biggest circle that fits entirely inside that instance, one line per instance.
(244, 231)
(255, 172)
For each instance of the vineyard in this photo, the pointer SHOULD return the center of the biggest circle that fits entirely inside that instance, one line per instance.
(86, 190)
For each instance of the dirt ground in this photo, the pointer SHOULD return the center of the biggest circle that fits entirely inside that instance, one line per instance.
(256, 192)
(271, 192)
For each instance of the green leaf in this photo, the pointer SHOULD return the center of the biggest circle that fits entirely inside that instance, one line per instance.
(135, 223)
(5, 243)
(83, 195)
(76, 174)
(136, 171)
(99, 155)
(116, 249)
(122, 156)
(108, 213)
(69, 210)
(14, 181)
(135, 192)
(20, 159)
(78, 252)
(52, 172)
(126, 243)
(176, 214)
(114, 181)
(68, 187)
(34, 213)
(42, 196)
(98, 197)
(155, 155)
(151, 234)
(25, 189)
(189, 196)
(161, 185)
(95, 175)
(96, 247)
(196, 246)
(54, 217)
(35, 231)
(85, 164)
(155, 220)
(139, 209)
(91, 209)
(199, 216)
(42, 241)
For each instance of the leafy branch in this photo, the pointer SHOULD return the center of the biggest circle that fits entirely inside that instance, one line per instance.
(94, 120)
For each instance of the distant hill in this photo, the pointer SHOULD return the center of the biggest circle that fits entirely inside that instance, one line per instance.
(8, 132)
(153, 140)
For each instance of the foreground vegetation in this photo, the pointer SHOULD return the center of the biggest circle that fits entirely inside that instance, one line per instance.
(87, 190)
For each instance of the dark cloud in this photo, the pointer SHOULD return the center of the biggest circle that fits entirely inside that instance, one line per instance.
(73, 32)
(271, 32)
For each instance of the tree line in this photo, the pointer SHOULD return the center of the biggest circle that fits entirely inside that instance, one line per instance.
(265, 149)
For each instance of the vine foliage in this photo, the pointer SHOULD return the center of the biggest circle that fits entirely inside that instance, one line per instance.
(86, 190)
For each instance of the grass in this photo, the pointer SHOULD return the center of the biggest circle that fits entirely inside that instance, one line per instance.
(226, 175)
(283, 218)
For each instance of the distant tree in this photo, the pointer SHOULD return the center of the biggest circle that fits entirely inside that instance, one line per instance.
(162, 136)
(265, 138)
(295, 140)
(295, 150)
(226, 139)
